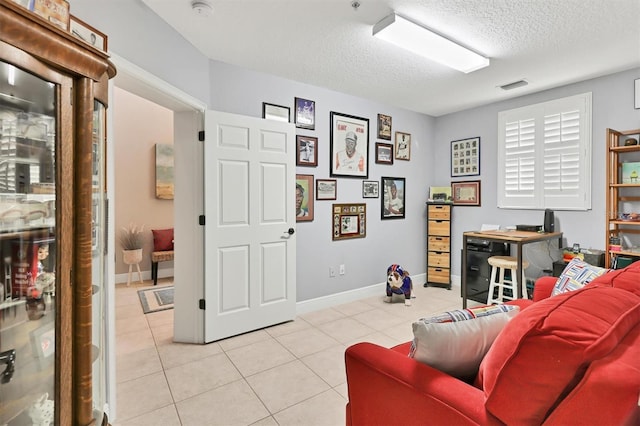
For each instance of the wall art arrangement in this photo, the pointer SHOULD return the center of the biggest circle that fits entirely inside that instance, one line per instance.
(465, 157)
(393, 199)
(305, 113)
(326, 189)
(307, 148)
(384, 127)
(275, 112)
(349, 221)
(370, 189)
(349, 145)
(384, 153)
(304, 198)
(164, 171)
(466, 193)
(403, 146)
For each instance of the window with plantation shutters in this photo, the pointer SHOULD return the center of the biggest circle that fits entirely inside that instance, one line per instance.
(544, 155)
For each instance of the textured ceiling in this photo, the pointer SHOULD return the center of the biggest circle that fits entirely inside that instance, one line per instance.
(327, 43)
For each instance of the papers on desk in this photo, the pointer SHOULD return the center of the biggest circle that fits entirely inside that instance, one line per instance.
(487, 227)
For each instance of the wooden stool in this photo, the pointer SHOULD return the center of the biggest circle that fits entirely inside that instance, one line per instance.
(500, 263)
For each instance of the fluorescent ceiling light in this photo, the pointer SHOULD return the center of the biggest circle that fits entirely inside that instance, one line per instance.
(404, 33)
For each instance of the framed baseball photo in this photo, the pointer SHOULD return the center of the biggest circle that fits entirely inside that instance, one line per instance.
(307, 148)
(393, 202)
(326, 189)
(384, 127)
(304, 198)
(305, 114)
(349, 145)
(384, 153)
(465, 157)
(403, 146)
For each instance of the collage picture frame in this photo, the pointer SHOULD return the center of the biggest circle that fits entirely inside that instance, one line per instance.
(465, 157)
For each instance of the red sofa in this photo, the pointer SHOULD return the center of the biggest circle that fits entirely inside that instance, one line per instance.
(570, 359)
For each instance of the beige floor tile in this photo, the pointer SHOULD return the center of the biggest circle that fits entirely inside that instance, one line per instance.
(286, 385)
(175, 354)
(137, 364)
(143, 395)
(133, 342)
(345, 329)
(401, 332)
(379, 338)
(128, 311)
(259, 356)
(328, 364)
(287, 327)
(127, 296)
(343, 390)
(165, 416)
(232, 404)
(243, 340)
(379, 319)
(307, 342)
(163, 335)
(267, 421)
(325, 409)
(322, 316)
(200, 376)
(352, 308)
(160, 318)
(131, 324)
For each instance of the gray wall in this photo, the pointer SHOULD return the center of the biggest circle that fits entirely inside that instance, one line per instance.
(612, 106)
(140, 37)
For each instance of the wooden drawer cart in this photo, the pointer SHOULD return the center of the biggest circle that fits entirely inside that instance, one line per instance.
(439, 245)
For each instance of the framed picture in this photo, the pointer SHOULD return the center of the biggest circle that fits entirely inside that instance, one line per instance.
(403, 146)
(305, 114)
(164, 171)
(307, 151)
(370, 189)
(465, 157)
(275, 112)
(384, 153)
(349, 145)
(349, 221)
(326, 189)
(304, 198)
(393, 202)
(87, 33)
(637, 93)
(384, 127)
(466, 193)
(631, 172)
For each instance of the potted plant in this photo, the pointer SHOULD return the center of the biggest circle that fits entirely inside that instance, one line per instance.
(131, 239)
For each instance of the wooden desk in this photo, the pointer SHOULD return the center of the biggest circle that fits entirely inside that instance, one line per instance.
(519, 238)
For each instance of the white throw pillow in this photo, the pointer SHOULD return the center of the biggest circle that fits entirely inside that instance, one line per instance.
(456, 341)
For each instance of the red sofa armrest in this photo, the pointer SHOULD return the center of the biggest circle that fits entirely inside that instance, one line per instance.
(543, 287)
(388, 386)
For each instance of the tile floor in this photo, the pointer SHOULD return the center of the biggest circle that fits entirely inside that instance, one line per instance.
(288, 374)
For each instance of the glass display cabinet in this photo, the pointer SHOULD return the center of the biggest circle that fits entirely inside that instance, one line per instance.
(53, 98)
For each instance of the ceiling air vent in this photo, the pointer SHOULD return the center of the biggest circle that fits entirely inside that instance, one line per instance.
(514, 85)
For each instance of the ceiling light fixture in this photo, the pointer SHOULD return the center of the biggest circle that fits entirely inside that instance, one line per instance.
(202, 8)
(417, 39)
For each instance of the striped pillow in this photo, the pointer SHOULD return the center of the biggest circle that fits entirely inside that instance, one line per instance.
(576, 275)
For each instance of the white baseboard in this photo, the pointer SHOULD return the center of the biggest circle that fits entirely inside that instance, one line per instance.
(331, 300)
(146, 275)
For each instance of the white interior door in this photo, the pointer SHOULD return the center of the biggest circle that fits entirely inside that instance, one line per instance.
(250, 242)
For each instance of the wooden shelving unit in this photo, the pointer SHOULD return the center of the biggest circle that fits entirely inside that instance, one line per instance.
(438, 245)
(623, 198)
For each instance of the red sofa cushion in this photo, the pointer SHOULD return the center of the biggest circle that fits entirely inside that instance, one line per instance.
(544, 351)
(162, 239)
(626, 279)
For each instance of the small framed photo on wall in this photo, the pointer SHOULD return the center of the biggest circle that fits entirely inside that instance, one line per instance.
(307, 147)
(466, 193)
(393, 202)
(403, 146)
(305, 114)
(370, 189)
(465, 157)
(326, 189)
(304, 198)
(384, 153)
(275, 112)
(384, 127)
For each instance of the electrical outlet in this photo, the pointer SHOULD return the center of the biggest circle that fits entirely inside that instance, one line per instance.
(342, 270)
(332, 272)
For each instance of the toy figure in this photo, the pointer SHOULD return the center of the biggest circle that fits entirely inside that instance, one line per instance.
(399, 282)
